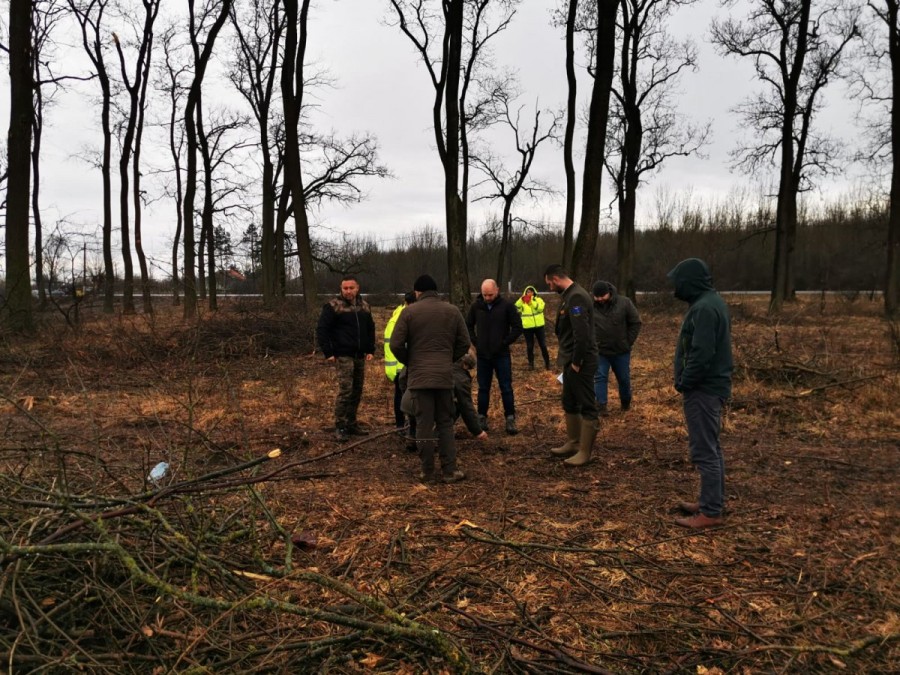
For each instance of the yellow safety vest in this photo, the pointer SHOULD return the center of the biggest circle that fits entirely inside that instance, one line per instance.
(391, 365)
(532, 313)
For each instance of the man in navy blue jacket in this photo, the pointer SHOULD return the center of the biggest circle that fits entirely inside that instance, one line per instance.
(494, 324)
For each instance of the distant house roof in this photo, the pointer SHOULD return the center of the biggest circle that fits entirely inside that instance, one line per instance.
(234, 274)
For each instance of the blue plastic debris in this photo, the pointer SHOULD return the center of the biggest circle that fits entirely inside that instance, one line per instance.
(158, 472)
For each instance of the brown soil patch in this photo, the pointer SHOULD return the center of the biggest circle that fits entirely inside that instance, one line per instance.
(340, 561)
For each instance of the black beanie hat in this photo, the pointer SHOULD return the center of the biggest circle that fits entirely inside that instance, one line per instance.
(601, 288)
(425, 283)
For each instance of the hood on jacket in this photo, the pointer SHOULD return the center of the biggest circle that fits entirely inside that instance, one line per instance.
(530, 288)
(601, 288)
(691, 278)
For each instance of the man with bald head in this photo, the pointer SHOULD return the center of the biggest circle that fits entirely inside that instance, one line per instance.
(494, 324)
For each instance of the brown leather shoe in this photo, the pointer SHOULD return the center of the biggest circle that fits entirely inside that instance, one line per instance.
(690, 508)
(700, 521)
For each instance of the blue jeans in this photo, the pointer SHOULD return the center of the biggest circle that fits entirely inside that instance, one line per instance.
(703, 415)
(487, 366)
(621, 366)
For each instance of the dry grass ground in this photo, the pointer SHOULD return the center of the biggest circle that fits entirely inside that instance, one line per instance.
(335, 559)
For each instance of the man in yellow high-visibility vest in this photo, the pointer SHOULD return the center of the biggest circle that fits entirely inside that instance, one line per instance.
(393, 368)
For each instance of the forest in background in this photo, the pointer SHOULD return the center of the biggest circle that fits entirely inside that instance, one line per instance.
(840, 248)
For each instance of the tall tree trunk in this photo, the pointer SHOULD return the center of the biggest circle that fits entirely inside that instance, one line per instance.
(189, 273)
(586, 243)
(179, 217)
(109, 274)
(505, 232)
(281, 216)
(90, 20)
(124, 206)
(569, 139)
(137, 91)
(206, 215)
(628, 204)
(292, 88)
(17, 312)
(789, 175)
(146, 300)
(267, 257)
(454, 207)
(201, 260)
(892, 278)
(201, 59)
(626, 238)
(38, 128)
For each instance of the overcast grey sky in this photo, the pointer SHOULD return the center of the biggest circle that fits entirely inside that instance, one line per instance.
(381, 87)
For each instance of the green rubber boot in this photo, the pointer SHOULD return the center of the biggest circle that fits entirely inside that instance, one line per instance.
(573, 432)
(585, 443)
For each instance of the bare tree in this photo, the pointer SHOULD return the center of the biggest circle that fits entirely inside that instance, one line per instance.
(135, 87)
(137, 192)
(603, 38)
(876, 79)
(292, 89)
(335, 165)
(45, 18)
(90, 15)
(220, 193)
(795, 51)
(215, 12)
(258, 32)
(17, 311)
(452, 43)
(569, 140)
(505, 184)
(170, 85)
(646, 128)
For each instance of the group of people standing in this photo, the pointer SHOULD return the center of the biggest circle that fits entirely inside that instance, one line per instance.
(430, 349)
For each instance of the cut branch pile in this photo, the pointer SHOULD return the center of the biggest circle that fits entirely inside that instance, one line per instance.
(804, 375)
(179, 577)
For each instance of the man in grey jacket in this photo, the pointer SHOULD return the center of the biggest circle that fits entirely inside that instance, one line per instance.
(616, 327)
(428, 337)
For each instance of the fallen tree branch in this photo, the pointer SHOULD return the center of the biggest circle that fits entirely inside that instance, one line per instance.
(829, 385)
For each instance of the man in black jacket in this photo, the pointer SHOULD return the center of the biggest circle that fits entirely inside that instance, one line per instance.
(346, 335)
(616, 327)
(703, 367)
(494, 324)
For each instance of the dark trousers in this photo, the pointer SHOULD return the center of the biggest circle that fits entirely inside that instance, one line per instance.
(578, 389)
(399, 417)
(351, 373)
(703, 416)
(487, 366)
(434, 424)
(540, 334)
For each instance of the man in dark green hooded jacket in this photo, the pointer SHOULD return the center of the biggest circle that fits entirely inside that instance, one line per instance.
(703, 369)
